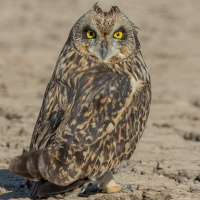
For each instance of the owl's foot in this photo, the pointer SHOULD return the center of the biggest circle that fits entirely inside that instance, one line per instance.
(105, 183)
(112, 187)
(108, 184)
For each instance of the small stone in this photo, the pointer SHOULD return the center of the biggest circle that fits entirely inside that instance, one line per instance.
(11, 116)
(189, 136)
(143, 173)
(197, 138)
(197, 178)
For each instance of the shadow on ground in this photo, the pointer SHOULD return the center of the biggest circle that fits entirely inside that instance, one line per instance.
(13, 184)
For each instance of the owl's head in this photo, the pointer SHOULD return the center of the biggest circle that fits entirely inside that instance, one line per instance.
(105, 36)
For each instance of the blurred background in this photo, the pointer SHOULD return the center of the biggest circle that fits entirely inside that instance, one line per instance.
(166, 164)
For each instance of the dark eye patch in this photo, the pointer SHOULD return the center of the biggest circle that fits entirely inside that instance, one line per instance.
(85, 30)
(123, 30)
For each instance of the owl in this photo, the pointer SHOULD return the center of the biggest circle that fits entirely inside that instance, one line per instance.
(94, 109)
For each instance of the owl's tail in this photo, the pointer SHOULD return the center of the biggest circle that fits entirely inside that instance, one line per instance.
(41, 169)
(49, 163)
(27, 165)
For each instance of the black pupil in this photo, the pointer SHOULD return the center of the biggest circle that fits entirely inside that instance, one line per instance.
(118, 34)
(91, 33)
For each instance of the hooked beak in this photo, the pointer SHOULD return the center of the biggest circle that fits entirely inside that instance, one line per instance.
(104, 46)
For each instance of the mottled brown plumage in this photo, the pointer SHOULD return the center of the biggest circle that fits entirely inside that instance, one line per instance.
(95, 107)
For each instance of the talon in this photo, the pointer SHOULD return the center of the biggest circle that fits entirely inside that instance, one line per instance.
(129, 187)
(89, 189)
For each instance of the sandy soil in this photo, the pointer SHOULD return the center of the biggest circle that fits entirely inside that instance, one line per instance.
(166, 164)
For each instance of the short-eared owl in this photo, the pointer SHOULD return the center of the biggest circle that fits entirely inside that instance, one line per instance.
(94, 110)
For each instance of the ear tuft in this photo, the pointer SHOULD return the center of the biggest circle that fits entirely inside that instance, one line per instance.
(114, 10)
(96, 8)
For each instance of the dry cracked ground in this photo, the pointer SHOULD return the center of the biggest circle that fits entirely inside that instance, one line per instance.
(166, 163)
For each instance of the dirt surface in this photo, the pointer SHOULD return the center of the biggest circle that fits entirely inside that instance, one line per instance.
(166, 164)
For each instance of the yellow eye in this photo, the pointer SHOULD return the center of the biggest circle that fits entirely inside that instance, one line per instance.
(118, 35)
(90, 34)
